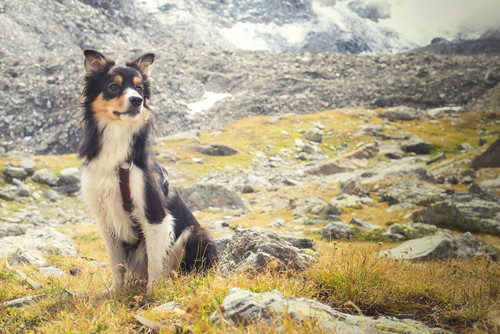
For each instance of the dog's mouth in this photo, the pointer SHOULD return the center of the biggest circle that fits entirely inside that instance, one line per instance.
(131, 112)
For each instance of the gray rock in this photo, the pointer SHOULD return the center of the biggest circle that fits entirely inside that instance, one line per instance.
(349, 201)
(52, 271)
(12, 172)
(216, 150)
(23, 190)
(317, 207)
(52, 195)
(392, 152)
(45, 240)
(441, 246)
(417, 146)
(398, 232)
(45, 176)
(400, 113)
(69, 176)
(259, 248)
(243, 307)
(314, 134)
(464, 212)
(204, 196)
(21, 256)
(489, 158)
(13, 229)
(337, 230)
(28, 165)
(7, 194)
(411, 192)
(351, 161)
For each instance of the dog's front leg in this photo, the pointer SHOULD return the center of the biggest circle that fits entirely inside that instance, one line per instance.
(158, 239)
(117, 259)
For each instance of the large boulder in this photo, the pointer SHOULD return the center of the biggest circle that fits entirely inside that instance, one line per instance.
(243, 307)
(317, 207)
(489, 158)
(46, 240)
(441, 246)
(464, 212)
(204, 196)
(258, 248)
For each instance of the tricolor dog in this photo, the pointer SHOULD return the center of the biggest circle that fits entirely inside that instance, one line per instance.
(146, 226)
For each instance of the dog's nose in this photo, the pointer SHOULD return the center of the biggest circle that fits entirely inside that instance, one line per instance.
(135, 100)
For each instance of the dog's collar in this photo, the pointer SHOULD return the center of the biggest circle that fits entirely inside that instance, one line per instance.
(124, 176)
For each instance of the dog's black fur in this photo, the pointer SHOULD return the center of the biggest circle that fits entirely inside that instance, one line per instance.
(161, 199)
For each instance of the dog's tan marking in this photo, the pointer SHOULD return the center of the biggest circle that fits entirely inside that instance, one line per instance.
(103, 109)
(118, 79)
(137, 81)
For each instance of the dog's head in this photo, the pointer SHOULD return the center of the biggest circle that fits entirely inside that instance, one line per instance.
(114, 93)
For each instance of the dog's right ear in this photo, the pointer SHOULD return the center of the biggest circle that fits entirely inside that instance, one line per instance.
(95, 61)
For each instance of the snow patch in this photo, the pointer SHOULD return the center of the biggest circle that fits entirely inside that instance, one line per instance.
(209, 99)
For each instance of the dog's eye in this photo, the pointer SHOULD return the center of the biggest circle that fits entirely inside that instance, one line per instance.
(114, 87)
(139, 89)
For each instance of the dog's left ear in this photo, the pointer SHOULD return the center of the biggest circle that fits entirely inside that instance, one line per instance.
(143, 62)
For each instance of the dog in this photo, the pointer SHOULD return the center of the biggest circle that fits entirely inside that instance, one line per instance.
(148, 230)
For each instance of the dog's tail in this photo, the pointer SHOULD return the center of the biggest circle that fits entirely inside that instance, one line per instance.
(176, 253)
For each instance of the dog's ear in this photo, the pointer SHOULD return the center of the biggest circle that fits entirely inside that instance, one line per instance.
(143, 62)
(95, 61)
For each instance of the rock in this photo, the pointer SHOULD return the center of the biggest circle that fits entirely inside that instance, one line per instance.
(13, 229)
(52, 195)
(21, 256)
(392, 152)
(336, 230)
(7, 194)
(52, 271)
(28, 165)
(314, 134)
(257, 181)
(317, 207)
(489, 158)
(23, 190)
(362, 225)
(417, 146)
(216, 150)
(400, 113)
(441, 246)
(277, 223)
(258, 248)
(43, 240)
(464, 212)
(354, 160)
(243, 307)
(465, 147)
(12, 172)
(411, 192)
(204, 196)
(409, 231)
(69, 176)
(45, 176)
(349, 201)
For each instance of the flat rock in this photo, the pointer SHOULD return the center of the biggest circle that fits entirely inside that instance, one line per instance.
(46, 240)
(351, 161)
(22, 256)
(13, 172)
(69, 176)
(243, 307)
(216, 150)
(441, 246)
(398, 231)
(258, 248)
(204, 196)
(411, 192)
(400, 113)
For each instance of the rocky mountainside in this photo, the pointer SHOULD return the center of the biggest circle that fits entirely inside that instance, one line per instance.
(41, 59)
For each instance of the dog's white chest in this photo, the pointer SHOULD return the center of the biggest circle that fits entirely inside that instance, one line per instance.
(101, 192)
